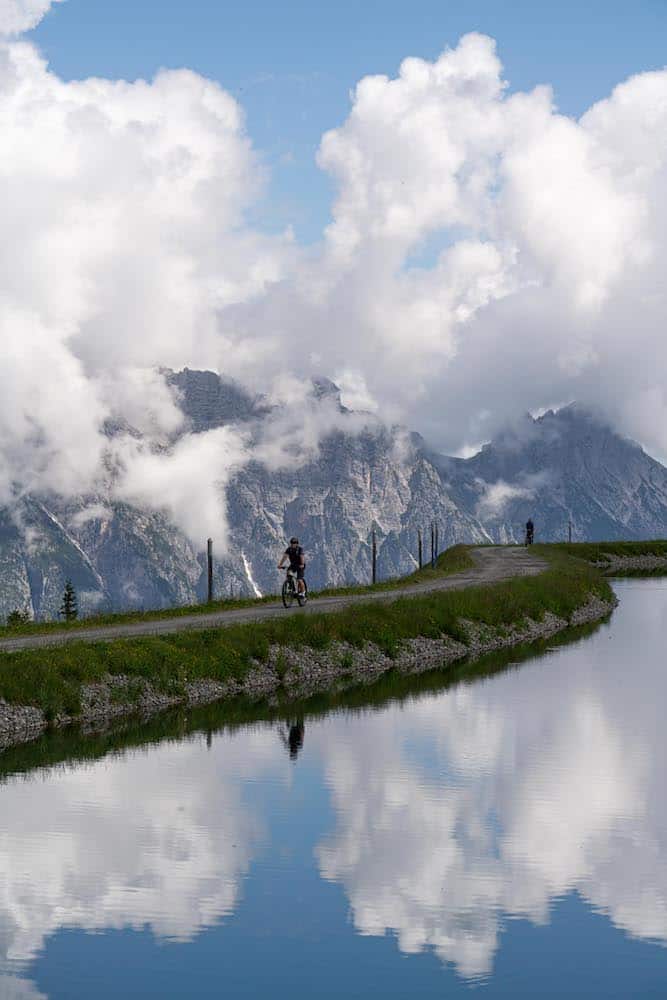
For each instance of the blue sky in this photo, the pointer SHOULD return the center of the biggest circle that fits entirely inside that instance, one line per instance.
(551, 287)
(292, 65)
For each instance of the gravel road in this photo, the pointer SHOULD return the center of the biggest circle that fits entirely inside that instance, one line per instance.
(491, 565)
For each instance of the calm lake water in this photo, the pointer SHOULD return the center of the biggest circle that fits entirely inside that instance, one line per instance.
(505, 834)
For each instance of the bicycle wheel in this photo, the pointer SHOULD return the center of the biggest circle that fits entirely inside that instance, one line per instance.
(288, 593)
(302, 598)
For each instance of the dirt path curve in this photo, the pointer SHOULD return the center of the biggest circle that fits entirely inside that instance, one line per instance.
(491, 566)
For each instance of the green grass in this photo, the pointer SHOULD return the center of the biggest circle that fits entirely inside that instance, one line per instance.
(63, 748)
(598, 552)
(52, 678)
(453, 560)
(123, 617)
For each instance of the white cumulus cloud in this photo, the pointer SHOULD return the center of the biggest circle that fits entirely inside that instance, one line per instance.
(486, 255)
(123, 206)
(17, 16)
(467, 810)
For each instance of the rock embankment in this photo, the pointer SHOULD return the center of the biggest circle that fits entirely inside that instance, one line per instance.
(641, 564)
(293, 673)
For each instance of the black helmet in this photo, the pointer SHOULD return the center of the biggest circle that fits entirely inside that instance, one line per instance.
(294, 540)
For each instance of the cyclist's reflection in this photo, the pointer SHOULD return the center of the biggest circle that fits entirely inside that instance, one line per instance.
(292, 736)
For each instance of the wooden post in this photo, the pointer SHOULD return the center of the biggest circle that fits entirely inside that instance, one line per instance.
(432, 544)
(437, 542)
(569, 530)
(375, 556)
(209, 554)
(419, 547)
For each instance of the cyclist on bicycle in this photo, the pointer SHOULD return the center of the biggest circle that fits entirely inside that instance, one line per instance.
(297, 562)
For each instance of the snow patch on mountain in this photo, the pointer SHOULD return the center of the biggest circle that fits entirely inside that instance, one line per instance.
(248, 572)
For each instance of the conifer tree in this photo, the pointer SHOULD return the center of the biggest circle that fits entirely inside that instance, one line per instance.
(17, 618)
(68, 608)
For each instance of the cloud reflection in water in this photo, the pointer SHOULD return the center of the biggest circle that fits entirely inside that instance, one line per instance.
(159, 838)
(453, 812)
(498, 798)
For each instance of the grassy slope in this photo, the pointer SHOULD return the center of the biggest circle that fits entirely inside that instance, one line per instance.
(452, 561)
(51, 678)
(598, 552)
(63, 748)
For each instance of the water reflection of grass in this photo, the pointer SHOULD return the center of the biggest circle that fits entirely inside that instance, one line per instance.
(52, 678)
(67, 748)
(625, 573)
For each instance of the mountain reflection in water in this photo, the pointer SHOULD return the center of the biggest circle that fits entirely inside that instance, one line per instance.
(446, 814)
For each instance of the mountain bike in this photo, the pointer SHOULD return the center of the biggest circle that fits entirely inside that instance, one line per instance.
(291, 591)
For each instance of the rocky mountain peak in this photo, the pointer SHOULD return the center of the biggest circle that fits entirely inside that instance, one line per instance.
(210, 400)
(567, 466)
(324, 388)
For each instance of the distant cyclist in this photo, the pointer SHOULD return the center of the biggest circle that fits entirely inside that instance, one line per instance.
(297, 563)
(530, 531)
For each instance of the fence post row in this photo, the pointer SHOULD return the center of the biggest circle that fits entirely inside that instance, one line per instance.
(209, 554)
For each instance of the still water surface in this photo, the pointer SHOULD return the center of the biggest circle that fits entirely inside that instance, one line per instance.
(507, 836)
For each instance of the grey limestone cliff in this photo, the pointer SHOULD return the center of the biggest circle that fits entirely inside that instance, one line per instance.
(565, 466)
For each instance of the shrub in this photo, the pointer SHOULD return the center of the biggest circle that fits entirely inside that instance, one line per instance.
(16, 618)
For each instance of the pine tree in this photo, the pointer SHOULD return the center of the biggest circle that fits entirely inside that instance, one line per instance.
(68, 608)
(17, 618)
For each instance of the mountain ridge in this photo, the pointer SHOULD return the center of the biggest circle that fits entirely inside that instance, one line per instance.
(563, 467)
